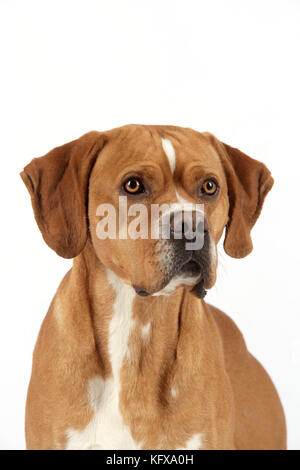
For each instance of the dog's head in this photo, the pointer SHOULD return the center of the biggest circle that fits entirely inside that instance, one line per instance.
(152, 200)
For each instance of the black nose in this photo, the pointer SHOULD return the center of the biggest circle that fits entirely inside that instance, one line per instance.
(187, 225)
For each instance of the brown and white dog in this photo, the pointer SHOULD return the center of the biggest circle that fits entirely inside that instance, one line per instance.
(129, 356)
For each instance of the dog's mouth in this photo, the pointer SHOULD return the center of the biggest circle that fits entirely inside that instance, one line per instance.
(190, 269)
(193, 271)
(189, 274)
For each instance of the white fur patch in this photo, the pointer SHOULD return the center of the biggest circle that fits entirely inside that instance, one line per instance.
(213, 252)
(194, 442)
(170, 152)
(146, 331)
(176, 282)
(185, 202)
(106, 429)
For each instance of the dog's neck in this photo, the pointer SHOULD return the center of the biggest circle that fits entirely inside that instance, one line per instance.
(145, 330)
(139, 354)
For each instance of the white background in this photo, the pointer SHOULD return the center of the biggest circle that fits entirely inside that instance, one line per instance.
(229, 67)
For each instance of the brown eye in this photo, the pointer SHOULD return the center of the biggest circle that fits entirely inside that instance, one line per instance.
(209, 187)
(133, 186)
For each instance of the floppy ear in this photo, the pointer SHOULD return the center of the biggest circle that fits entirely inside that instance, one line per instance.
(58, 186)
(249, 181)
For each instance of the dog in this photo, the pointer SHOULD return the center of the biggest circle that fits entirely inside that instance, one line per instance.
(129, 355)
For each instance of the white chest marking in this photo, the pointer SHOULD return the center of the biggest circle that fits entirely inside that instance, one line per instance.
(194, 442)
(170, 152)
(106, 429)
(146, 331)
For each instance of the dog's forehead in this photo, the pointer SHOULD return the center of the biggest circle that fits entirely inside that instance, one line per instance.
(170, 147)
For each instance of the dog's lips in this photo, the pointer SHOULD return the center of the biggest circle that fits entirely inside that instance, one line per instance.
(199, 290)
(189, 273)
(190, 268)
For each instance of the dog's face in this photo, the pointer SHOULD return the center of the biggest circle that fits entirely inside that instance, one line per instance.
(180, 179)
(172, 168)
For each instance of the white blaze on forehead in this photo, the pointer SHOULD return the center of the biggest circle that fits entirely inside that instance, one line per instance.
(183, 201)
(170, 152)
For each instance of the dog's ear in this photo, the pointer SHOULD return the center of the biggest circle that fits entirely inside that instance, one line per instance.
(249, 181)
(58, 186)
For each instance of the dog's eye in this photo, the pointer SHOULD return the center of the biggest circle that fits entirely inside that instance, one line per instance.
(209, 187)
(133, 186)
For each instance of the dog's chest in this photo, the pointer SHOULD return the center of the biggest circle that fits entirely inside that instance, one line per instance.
(107, 428)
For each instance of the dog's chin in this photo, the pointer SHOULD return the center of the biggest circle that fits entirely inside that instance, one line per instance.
(190, 275)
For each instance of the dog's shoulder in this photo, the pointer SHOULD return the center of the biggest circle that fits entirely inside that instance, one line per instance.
(234, 344)
(260, 422)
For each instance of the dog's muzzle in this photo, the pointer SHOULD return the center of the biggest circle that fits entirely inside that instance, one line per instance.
(186, 254)
(190, 227)
(190, 231)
